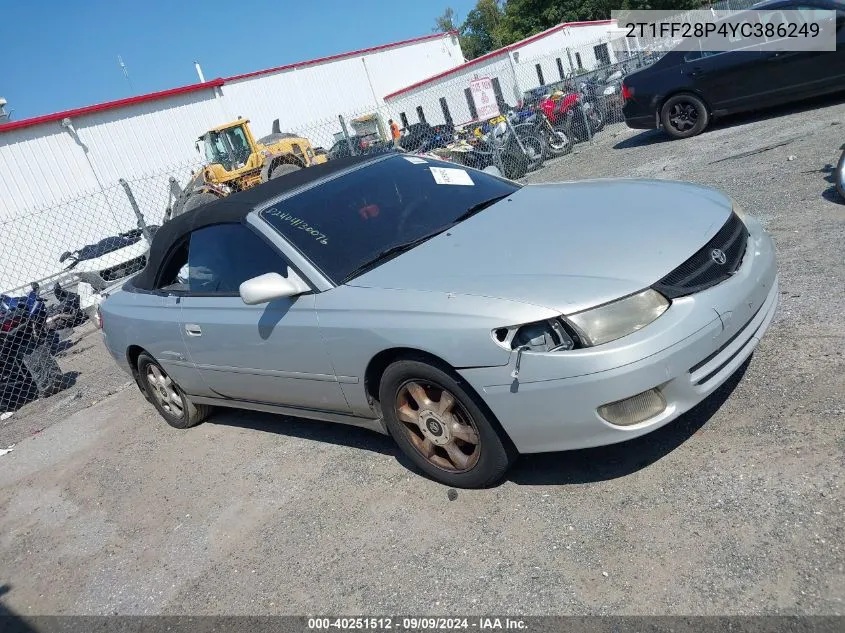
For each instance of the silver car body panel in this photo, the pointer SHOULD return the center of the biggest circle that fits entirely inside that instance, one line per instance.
(566, 247)
(549, 250)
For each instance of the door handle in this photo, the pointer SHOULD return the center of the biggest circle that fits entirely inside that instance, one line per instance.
(192, 329)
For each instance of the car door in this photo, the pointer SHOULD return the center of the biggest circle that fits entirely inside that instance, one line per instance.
(268, 353)
(728, 80)
(792, 74)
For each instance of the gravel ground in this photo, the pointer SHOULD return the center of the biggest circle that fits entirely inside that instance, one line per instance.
(735, 508)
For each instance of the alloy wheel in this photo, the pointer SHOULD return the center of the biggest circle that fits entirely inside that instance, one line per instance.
(164, 391)
(438, 426)
(683, 116)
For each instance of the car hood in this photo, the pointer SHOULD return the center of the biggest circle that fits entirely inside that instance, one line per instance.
(567, 247)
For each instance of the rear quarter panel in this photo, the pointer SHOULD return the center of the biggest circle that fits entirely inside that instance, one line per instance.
(153, 323)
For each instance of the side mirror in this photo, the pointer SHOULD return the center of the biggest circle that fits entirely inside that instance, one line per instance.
(270, 286)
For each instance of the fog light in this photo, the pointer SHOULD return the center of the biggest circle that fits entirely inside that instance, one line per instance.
(635, 409)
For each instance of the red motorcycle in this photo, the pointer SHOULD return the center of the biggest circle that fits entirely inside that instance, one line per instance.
(571, 114)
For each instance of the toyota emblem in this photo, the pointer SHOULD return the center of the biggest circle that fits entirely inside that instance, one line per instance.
(718, 256)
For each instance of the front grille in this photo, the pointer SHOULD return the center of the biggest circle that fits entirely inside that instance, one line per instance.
(125, 269)
(702, 270)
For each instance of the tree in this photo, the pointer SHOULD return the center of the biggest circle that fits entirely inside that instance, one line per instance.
(445, 22)
(523, 18)
(480, 30)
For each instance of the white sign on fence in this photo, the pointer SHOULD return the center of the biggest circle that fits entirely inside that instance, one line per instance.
(484, 97)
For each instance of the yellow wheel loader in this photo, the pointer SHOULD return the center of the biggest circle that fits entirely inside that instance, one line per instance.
(236, 161)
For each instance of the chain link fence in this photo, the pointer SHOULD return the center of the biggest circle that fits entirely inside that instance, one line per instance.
(505, 114)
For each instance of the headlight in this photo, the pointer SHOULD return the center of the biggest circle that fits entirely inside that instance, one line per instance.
(619, 318)
(542, 336)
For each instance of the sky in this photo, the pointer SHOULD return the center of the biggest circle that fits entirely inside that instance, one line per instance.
(57, 54)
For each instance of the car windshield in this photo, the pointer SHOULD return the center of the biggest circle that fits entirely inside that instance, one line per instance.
(350, 221)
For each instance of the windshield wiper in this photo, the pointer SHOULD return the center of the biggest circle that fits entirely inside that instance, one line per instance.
(390, 252)
(478, 207)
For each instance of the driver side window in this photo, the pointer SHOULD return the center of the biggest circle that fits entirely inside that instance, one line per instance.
(217, 259)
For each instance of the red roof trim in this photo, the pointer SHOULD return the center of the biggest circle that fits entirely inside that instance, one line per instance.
(331, 58)
(214, 83)
(109, 105)
(496, 53)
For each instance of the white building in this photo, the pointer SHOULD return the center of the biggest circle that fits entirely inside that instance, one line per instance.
(541, 59)
(59, 173)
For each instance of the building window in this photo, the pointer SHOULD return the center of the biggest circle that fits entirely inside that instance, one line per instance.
(404, 118)
(539, 69)
(420, 114)
(560, 69)
(578, 61)
(473, 113)
(500, 98)
(602, 54)
(446, 114)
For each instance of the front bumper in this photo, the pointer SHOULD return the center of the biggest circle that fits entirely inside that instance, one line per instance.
(687, 353)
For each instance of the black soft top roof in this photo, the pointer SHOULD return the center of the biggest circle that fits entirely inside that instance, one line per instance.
(233, 208)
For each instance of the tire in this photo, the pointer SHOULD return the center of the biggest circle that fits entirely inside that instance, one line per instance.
(181, 413)
(684, 115)
(558, 143)
(284, 168)
(196, 200)
(839, 176)
(476, 456)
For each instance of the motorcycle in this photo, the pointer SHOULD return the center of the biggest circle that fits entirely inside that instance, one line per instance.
(495, 145)
(556, 142)
(594, 103)
(66, 312)
(568, 114)
(27, 365)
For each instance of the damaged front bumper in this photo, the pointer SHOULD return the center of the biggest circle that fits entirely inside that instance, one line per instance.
(684, 356)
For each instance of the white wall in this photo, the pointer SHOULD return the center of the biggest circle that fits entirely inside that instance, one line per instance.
(56, 196)
(515, 68)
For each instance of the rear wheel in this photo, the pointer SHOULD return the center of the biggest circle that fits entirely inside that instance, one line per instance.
(684, 115)
(284, 168)
(558, 143)
(168, 399)
(438, 425)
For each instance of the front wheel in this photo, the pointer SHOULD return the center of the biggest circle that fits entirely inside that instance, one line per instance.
(284, 168)
(684, 115)
(439, 426)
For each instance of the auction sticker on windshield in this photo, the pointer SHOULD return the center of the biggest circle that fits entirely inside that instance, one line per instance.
(446, 176)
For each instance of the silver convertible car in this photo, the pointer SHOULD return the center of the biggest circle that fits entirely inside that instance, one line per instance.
(469, 317)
